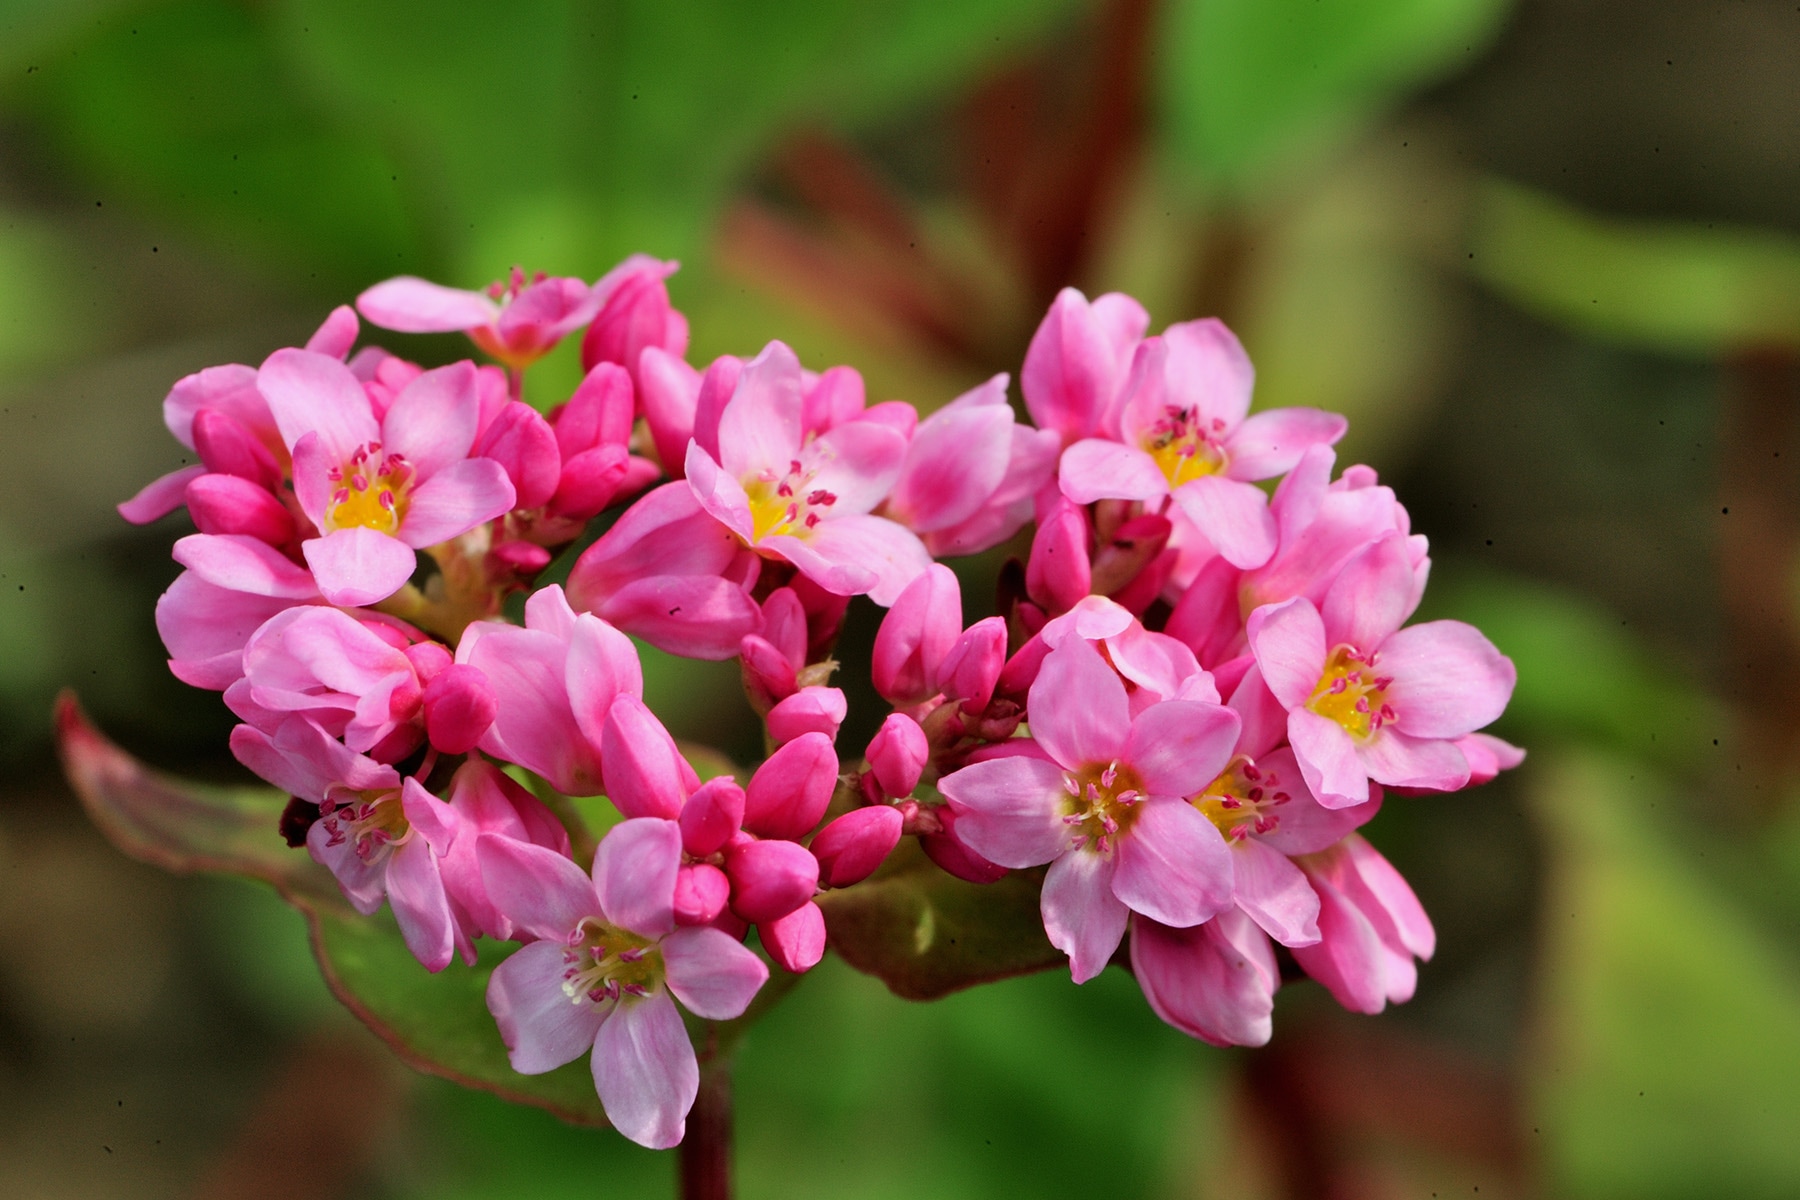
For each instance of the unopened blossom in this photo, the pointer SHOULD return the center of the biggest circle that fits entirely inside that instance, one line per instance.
(635, 316)
(604, 973)
(1103, 802)
(1368, 700)
(377, 490)
(806, 500)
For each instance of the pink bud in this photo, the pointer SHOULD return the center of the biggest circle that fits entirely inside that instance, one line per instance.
(645, 774)
(973, 666)
(770, 879)
(428, 659)
(916, 634)
(797, 941)
(784, 625)
(521, 441)
(598, 414)
(227, 447)
(1058, 575)
(947, 851)
(524, 559)
(589, 481)
(851, 847)
(459, 707)
(637, 315)
(824, 615)
(1077, 359)
(768, 675)
(701, 892)
(711, 816)
(667, 390)
(790, 791)
(1021, 670)
(837, 397)
(809, 710)
(897, 754)
(716, 387)
(229, 504)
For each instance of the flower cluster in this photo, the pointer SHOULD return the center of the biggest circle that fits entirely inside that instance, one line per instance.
(1193, 695)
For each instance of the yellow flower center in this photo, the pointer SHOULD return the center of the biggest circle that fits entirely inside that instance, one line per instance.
(369, 491)
(1101, 804)
(786, 504)
(1352, 694)
(603, 962)
(1243, 800)
(1183, 448)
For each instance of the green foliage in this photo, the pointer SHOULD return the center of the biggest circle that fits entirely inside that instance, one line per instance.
(1249, 84)
(1678, 287)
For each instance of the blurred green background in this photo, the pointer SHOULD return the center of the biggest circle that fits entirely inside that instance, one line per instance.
(1546, 255)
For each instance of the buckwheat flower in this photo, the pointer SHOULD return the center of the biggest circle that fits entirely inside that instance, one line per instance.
(1367, 699)
(1102, 800)
(806, 500)
(1372, 928)
(232, 586)
(377, 490)
(1182, 431)
(606, 970)
(1078, 361)
(516, 320)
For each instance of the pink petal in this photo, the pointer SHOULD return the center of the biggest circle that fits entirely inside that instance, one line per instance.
(1349, 958)
(1173, 865)
(788, 794)
(1234, 516)
(797, 941)
(463, 495)
(690, 615)
(634, 875)
(1010, 810)
(1448, 679)
(1209, 371)
(1401, 760)
(228, 389)
(955, 461)
(1271, 443)
(1372, 595)
(1378, 887)
(645, 774)
(1288, 640)
(711, 973)
(416, 892)
(541, 1027)
(1076, 363)
(1081, 915)
(1304, 826)
(856, 554)
(408, 304)
(858, 463)
(603, 665)
(1179, 746)
(645, 1071)
(312, 467)
(668, 388)
(244, 564)
(1274, 893)
(759, 428)
(1328, 760)
(1214, 981)
(314, 393)
(1077, 707)
(357, 566)
(540, 891)
(920, 628)
(432, 422)
(160, 496)
(718, 492)
(1098, 469)
(337, 334)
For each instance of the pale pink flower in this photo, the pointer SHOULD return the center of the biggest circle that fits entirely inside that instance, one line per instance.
(806, 499)
(1372, 928)
(601, 977)
(1367, 699)
(379, 489)
(232, 586)
(1103, 801)
(517, 320)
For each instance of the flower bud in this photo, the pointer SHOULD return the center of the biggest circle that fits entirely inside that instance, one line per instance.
(645, 774)
(797, 941)
(768, 675)
(1058, 574)
(972, 668)
(947, 851)
(791, 790)
(855, 844)
(637, 315)
(897, 755)
(770, 879)
(784, 625)
(1021, 670)
(598, 414)
(523, 559)
(589, 481)
(231, 504)
(428, 659)
(459, 707)
(227, 447)
(701, 892)
(521, 441)
(917, 632)
(711, 816)
(809, 710)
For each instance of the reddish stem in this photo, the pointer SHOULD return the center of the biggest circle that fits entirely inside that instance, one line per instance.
(706, 1150)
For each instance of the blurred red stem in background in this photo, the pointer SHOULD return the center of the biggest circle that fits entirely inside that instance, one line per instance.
(706, 1150)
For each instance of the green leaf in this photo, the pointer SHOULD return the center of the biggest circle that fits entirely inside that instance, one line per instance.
(1248, 84)
(1673, 286)
(436, 1023)
(1669, 1023)
(926, 934)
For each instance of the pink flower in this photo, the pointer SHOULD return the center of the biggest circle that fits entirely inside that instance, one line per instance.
(232, 586)
(1215, 981)
(516, 321)
(1077, 363)
(1183, 432)
(1372, 928)
(971, 472)
(483, 801)
(806, 500)
(379, 489)
(554, 682)
(602, 975)
(1367, 699)
(1103, 800)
